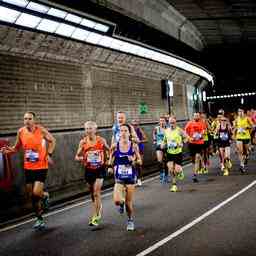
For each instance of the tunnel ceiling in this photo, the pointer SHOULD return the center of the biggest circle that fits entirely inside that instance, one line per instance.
(221, 21)
(228, 29)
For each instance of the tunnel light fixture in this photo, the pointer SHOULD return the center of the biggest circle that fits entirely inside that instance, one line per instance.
(125, 47)
(93, 38)
(48, 25)
(106, 41)
(101, 27)
(74, 26)
(20, 3)
(116, 44)
(8, 15)
(80, 34)
(28, 20)
(65, 30)
(57, 13)
(38, 7)
(73, 18)
(231, 95)
(88, 23)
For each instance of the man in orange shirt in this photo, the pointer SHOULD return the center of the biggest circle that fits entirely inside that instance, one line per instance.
(195, 130)
(33, 139)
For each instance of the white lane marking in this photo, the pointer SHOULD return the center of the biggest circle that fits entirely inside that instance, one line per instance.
(69, 207)
(194, 222)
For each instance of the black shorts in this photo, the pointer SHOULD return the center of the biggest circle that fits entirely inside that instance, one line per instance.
(223, 144)
(206, 144)
(91, 175)
(195, 149)
(157, 147)
(244, 141)
(176, 158)
(132, 181)
(32, 176)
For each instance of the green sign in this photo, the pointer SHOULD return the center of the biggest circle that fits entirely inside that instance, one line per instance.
(143, 108)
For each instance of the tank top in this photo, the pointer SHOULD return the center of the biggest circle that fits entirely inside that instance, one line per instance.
(34, 145)
(174, 140)
(242, 125)
(93, 153)
(159, 135)
(122, 165)
(224, 134)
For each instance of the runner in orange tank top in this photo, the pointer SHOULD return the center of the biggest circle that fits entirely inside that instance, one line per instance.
(38, 145)
(92, 152)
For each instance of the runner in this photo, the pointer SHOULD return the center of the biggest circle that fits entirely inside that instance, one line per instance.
(158, 136)
(206, 146)
(195, 130)
(142, 139)
(253, 134)
(92, 152)
(242, 128)
(224, 134)
(33, 139)
(120, 120)
(214, 125)
(173, 141)
(124, 157)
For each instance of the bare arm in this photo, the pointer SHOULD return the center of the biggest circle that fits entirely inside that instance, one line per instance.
(106, 150)
(111, 155)
(50, 139)
(144, 136)
(79, 151)
(137, 154)
(14, 148)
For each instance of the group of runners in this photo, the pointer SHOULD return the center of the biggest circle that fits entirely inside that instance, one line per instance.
(123, 158)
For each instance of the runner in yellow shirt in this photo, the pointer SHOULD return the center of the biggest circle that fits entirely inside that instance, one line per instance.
(242, 129)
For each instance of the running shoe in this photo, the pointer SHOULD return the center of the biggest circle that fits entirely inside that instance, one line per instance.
(195, 179)
(229, 164)
(95, 221)
(199, 171)
(181, 175)
(205, 170)
(139, 182)
(130, 225)
(46, 202)
(173, 188)
(225, 173)
(242, 169)
(40, 224)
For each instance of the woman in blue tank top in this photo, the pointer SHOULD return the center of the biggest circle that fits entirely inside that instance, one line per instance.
(124, 156)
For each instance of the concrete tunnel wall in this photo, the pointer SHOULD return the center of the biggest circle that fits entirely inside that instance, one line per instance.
(67, 83)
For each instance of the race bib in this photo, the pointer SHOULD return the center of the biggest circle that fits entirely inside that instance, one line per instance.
(124, 171)
(241, 130)
(197, 136)
(172, 145)
(94, 158)
(160, 138)
(31, 156)
(224, 136)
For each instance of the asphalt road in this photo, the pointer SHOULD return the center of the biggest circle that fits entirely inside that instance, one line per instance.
(230, 230)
